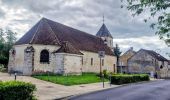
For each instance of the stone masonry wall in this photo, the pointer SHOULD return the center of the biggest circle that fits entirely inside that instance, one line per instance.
(19, 62)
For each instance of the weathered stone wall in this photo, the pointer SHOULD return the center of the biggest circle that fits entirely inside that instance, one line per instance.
(109, 41)
(142, 62)
(73, 63)
(18, 62)
(43, 66)
(58, 63)
(109, 62)
(28, 62)
(124, 58)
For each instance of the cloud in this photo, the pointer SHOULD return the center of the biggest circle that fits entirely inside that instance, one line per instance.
(85, 15)
(2, 13)
(146, 42)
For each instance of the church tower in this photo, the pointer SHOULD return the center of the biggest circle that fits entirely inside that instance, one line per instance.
(105, 35)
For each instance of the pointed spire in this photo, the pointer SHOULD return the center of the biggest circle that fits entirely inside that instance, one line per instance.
(103, 32)
(103, 18)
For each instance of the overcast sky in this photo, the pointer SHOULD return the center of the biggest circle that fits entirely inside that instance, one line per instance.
(85, 15)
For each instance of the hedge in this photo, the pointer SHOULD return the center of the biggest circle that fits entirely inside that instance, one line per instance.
(15, 90)
(128, 78)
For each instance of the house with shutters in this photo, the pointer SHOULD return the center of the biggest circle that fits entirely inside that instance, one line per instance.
(50, 46)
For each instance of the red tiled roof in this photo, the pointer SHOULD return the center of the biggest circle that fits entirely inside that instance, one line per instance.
(52, 33)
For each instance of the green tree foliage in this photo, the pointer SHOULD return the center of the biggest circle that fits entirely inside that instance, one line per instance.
(117, 53)
(158, 9)
(7, 39)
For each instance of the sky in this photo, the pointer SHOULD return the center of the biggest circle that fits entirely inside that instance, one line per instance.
(85, 15)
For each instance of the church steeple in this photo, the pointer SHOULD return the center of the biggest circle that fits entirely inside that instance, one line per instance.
(105, 34)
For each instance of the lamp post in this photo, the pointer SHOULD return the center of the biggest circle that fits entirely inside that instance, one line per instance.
(101, 55)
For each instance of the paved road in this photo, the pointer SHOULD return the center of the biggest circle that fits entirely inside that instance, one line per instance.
(157, 90)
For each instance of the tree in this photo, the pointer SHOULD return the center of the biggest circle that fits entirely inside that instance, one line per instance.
(2, 34)
(6, 44)
(117, 53)
(11, 37)
(157, 9)
(1, 41)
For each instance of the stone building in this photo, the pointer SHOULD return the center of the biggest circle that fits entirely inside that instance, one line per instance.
(146, 61)
(168, 68)
(54, 47)
(124, 59)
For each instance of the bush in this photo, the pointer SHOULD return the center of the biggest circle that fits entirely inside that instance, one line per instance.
(3, 60)
(128, 78)
(2, 68)
(15, 90)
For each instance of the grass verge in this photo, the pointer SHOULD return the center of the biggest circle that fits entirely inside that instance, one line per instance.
(85, 78)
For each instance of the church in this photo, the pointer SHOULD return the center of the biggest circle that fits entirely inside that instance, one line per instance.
(53, 47)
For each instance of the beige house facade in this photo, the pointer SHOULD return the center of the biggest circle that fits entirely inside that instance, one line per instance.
(147, 61)
(53, 47)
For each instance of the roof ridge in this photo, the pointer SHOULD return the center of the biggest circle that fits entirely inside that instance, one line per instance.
(35, 32)
(72, 28)
(52, 31)
(155, 55)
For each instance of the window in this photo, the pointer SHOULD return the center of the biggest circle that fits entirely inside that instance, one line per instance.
(102, 62)
(91, 61)
(114, 68)
(44, 56)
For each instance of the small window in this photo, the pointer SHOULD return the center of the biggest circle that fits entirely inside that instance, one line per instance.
(114, 68)
(44, 56)
(91, 61)
(102, 62)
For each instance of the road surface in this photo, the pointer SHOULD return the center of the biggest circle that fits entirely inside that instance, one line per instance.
(156, 90)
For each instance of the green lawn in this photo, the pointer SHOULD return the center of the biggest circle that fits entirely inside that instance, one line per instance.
(85, 78)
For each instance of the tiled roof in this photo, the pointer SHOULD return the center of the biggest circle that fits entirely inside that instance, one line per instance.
(103, 31)
(52, 33)
(66, 47)
(155, 55)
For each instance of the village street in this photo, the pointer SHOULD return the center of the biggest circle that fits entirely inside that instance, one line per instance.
(49, 91)
(156, 90)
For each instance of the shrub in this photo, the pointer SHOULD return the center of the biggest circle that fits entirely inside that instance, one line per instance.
(2, 68)
(128, 78)
(15, 90)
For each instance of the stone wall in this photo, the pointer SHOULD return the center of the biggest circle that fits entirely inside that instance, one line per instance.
(109, 41)
(109, 62)
(16, 61)
(28, 60)
(73, 63)
(19, 61)
(142, 62)
(124, 58)
(43, 66)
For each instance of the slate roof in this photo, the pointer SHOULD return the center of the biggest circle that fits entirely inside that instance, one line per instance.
(155, 55)
(66, 47)
(103, 31)
(53, 33)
